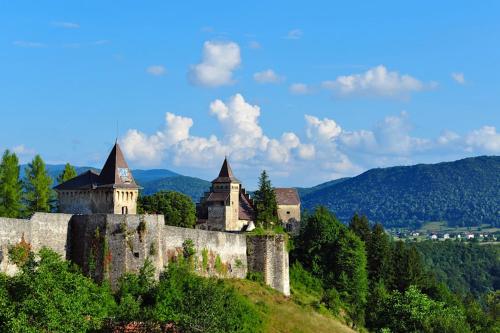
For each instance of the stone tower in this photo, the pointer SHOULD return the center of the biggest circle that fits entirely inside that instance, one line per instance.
(227, 206)
(112, 191)
(227, 184)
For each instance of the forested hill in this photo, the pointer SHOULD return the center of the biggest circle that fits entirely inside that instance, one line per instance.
(464, 192)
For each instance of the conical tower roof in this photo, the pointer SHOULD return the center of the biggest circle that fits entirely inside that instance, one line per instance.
(115, 171)
(226, 174)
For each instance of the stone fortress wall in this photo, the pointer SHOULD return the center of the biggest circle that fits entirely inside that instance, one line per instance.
(106, 246)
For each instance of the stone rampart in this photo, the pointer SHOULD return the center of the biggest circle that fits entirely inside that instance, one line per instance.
(267, 254)
(106, 246)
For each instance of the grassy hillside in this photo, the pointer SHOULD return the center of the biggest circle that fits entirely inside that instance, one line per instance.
(462, 193)
(284, 315)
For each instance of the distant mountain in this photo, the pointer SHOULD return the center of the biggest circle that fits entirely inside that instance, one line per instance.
(465, 192)
(303, 191)
(191, 186)
(144, 176)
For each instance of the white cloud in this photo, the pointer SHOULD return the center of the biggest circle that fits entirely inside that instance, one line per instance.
(458, 77)
(267, 76)
(28, 44)
(66, 25)
(219, 61)
(321, 130)
(486, 139)
(306, 151)
(324, 150)
(447, 137)
(377, 81)
(156, 70)
(294, 34)
(299, 89)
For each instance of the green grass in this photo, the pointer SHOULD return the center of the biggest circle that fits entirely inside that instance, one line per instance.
(443, 227)
(283, 314)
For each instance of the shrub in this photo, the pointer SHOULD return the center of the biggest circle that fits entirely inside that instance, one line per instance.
(197, 304)
(52, 296)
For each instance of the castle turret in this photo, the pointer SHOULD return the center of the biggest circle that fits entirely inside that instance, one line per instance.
(227, 206)
(112, 191)
(227, 183)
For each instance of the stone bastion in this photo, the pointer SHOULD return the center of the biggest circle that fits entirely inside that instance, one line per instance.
(106, 246)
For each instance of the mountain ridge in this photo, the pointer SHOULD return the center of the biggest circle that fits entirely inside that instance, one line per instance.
(463, 192)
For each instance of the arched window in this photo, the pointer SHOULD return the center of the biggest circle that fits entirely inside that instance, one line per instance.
(124, 210)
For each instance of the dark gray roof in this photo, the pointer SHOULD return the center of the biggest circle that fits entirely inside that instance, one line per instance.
(226, 174)
(85, 181)
(114, 174)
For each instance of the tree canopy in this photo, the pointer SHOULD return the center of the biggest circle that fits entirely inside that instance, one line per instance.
(10, 186)
(266, 205)
(39, 194)
(178, 209)
(68, 173)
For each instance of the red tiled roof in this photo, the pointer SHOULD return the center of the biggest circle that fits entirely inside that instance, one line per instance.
(287, 196)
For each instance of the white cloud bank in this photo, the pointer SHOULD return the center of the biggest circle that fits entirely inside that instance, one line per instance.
(219, 61)
(377, 81)
(324, 151)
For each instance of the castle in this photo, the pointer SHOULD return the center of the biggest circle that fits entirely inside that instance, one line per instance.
(112, 191)
(228, 206)
(98, 229)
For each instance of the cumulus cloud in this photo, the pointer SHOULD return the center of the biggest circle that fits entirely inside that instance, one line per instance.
(323, 151)
(486, 139)
(321, 130)
(156, 70)
(242, 138)
(377, 81)
(219, 61)
(66, 25)
(458, 78)
(267, 76)
(294, 34)
(299, 89)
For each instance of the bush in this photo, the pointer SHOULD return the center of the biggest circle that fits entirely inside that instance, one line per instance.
(197, 304)
(52, 296)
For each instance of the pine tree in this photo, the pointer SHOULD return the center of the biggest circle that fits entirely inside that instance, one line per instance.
(38, 183)
(68, 173)
(10, 186)
(379, 255)
(361, 227)
(265, 203)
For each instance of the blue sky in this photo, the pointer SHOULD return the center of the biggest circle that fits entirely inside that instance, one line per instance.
(309, 91)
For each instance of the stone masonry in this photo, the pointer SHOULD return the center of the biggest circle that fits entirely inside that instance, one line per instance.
(106, 246)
